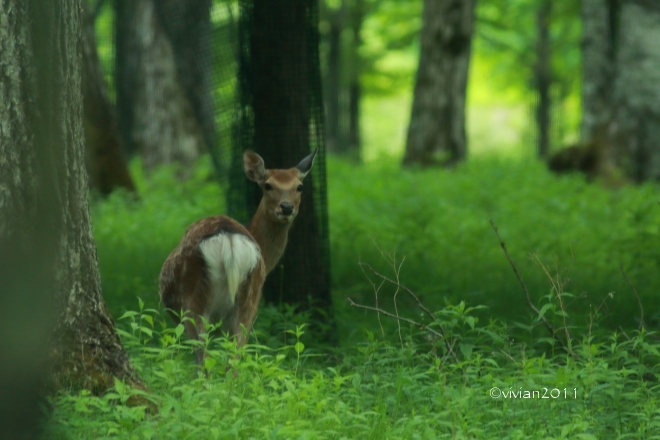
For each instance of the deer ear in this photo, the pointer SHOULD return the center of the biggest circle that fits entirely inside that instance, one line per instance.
(253, 165)
(306, 164)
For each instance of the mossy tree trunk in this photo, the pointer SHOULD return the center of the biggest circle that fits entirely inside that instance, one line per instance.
(436, 134)
(48, 265)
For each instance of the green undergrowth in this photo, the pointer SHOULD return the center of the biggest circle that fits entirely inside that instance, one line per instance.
(561, 233)
(477, 382)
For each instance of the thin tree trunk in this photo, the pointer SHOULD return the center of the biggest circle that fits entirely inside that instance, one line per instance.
(48, 265)
(333, 137)
(106, 164)
(353, 138)
(543, 74)
(436, 134)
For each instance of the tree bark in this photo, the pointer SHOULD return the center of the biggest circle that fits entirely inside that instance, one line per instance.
(637, 90)
(621, 91)
(157, 117)
(48, 265)
(106, 164)
(436, 134)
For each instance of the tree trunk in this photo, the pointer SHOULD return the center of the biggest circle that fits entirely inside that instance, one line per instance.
(436, 134)
(157, 117)
(281, 118)
(353, 138)
(48, 265)
(342, 78)
(333, 74)
(598, 53)
(637, 89)
(187, 25)
(543, 74)
(106, 164)
(621, 91)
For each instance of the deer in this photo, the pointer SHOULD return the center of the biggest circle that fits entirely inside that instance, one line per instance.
(217, 271)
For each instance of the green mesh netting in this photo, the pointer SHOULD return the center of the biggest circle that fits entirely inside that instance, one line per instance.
(279, 114)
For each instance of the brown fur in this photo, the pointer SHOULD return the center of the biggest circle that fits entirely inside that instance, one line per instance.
(184, 280)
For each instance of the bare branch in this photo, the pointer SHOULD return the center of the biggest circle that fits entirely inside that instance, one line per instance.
(396, 283)
(401, 318)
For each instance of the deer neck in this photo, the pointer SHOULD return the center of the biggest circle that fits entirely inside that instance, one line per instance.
(270, 236)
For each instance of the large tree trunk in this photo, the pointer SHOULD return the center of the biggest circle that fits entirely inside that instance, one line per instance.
(543, 77)
(158, 118)
(621, 91)
(106, 164)
(48, 267)
(436, 134)
(637, 89)
(281, 118)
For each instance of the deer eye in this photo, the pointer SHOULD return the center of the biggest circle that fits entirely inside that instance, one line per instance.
(299, 189)
(268, 186)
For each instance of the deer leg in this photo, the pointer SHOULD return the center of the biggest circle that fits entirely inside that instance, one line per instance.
(194, 328)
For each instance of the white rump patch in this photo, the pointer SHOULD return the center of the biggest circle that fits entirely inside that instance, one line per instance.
(229, 258)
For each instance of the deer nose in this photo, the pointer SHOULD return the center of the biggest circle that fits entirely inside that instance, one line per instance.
(287, 208)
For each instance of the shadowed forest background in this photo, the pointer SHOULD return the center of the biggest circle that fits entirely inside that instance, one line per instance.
(483, 214)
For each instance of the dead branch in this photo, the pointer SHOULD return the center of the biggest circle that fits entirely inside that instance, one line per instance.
(639, 300)
(401, 318)
(522, 283)
(547, 324)
(399, 285)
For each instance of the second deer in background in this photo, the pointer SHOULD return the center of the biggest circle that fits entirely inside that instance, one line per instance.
(218, 269)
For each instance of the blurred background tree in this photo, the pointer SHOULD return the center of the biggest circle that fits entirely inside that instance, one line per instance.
(436, 134)
(163, 80)
(621, 97)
